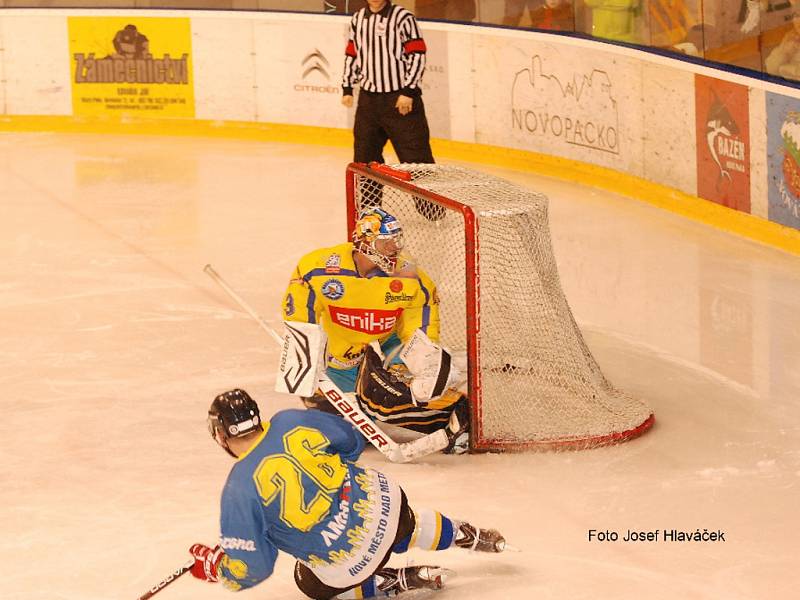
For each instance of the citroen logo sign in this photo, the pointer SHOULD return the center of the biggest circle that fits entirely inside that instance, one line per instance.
(316, 61)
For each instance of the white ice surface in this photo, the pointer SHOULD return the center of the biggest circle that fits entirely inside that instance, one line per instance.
(113, 343)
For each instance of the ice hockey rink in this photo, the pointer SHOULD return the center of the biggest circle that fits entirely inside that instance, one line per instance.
(113, 342)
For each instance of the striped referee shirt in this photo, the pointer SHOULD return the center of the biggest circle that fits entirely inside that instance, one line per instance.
(385, 52)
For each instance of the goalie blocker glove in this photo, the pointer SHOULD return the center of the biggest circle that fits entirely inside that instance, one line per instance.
(387, 388)
(378, 385)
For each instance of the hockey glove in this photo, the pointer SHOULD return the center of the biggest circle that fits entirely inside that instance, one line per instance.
(379, 386)
(431, 365)
(206, 561)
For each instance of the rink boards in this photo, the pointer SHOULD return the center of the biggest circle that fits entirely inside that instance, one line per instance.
(687, 137)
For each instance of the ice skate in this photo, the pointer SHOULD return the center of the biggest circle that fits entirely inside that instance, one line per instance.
(396, 581)
(479, 540)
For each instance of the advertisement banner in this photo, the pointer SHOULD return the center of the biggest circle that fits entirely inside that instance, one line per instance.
(533, 96)
(131, 65)
(783, 155)
(299, 75)
(299, 72)
(579, 110)
(723, 142)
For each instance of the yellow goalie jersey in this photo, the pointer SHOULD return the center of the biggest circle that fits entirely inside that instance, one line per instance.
(354, 310)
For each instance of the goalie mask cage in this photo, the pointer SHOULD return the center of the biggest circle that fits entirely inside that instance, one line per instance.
(485, 242)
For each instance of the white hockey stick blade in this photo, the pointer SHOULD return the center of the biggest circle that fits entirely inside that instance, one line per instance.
(427, 444)
(346, 403)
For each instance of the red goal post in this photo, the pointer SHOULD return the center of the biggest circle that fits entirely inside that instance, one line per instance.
(531, 379)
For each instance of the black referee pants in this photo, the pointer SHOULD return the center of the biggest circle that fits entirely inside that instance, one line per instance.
(377, 121)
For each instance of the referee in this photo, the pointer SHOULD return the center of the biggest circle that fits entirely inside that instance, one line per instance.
(385, 55)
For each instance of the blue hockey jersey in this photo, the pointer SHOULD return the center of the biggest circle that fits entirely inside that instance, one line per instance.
(298, 489)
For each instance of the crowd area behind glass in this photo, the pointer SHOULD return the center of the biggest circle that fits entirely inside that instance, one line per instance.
(762, 35)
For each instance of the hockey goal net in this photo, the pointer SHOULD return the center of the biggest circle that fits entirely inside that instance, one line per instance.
(485, 242)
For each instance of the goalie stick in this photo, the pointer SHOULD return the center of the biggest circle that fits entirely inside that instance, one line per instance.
(346, 403)
(167, 580)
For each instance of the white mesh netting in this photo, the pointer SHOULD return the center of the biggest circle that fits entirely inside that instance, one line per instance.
(537, 383)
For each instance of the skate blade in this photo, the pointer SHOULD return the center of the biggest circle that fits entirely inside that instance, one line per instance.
(509, 548)
(437, 576)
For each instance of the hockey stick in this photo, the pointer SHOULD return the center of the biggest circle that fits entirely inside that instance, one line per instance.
(346, 403)
(167, 580)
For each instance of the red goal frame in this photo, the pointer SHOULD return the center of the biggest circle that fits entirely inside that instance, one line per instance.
(478, 441)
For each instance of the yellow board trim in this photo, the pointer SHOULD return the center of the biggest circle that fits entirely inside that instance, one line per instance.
(739, 223)
(695, 208)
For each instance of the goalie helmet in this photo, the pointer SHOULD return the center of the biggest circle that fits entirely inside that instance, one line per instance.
(233, 414)
(374, 230)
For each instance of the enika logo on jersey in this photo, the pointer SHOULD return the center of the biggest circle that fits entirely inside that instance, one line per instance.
(373, 322)
(333, 289)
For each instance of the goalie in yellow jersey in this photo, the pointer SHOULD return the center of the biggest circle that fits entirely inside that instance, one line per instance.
(373, 318)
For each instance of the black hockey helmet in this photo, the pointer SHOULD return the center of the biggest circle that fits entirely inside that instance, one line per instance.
(233, 414)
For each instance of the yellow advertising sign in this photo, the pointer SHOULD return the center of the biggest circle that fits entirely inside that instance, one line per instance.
(131, 65)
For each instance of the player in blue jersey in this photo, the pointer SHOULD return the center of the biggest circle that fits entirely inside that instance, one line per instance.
(367, 299)
(296, 487)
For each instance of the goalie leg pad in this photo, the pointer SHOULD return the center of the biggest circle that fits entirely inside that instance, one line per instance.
(302, 357)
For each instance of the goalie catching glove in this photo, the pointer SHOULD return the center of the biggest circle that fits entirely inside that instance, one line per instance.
(432, 368)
